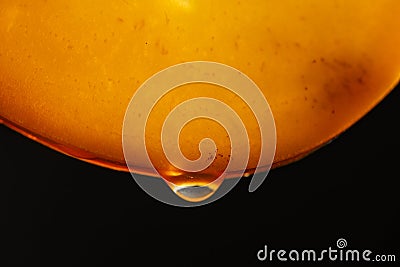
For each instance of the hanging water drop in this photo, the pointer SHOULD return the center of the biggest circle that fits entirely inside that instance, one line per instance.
(194, 187)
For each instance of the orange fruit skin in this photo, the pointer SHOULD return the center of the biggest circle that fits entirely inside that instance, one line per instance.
(68, 69)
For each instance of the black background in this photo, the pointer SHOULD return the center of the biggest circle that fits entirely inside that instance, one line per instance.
(59, 210)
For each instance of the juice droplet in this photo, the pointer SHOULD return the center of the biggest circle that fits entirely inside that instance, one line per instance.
(193, 193)
(194, 187)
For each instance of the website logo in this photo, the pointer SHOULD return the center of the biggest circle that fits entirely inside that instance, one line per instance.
(144, 103)
(340, 253)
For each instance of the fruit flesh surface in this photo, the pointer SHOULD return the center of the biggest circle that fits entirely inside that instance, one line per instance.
(68, 69)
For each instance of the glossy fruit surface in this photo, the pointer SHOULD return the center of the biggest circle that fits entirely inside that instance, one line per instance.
(68, 69)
